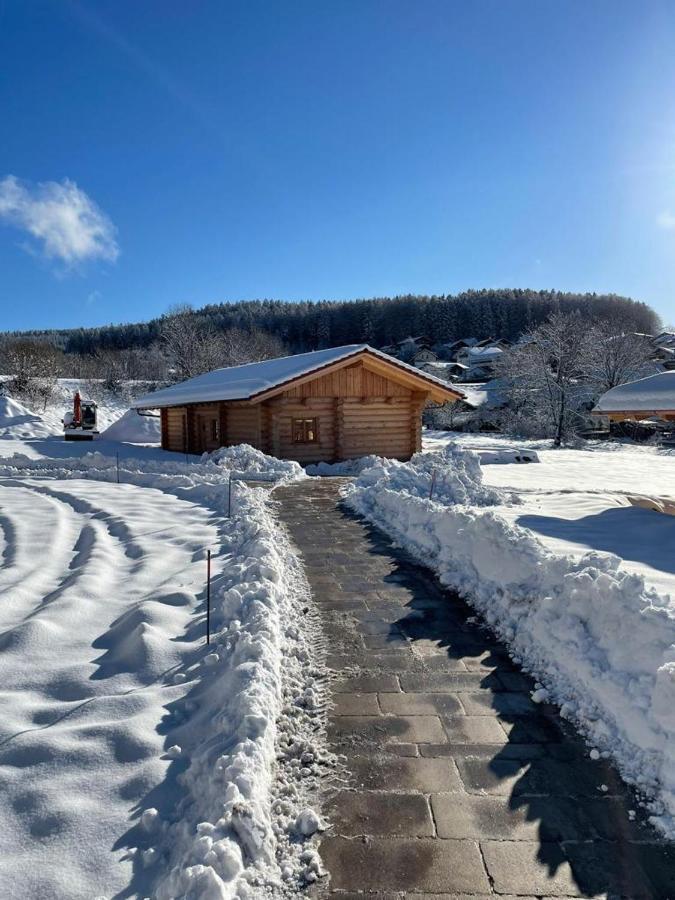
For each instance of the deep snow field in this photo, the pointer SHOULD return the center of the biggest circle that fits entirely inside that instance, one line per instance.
(577, 500)
(135, 760)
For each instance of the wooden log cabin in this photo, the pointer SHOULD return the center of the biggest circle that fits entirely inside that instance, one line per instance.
(328, 405)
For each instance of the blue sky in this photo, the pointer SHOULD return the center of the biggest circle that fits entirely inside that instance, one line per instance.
(163, 152)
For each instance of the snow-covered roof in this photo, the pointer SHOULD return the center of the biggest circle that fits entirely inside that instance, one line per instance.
(247, 381)
(484, 354)
(656, 393)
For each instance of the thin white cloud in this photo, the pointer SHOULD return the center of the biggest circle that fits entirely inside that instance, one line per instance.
(666, 220)
(63, 219)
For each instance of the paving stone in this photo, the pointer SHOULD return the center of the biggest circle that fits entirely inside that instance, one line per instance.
(366, 683)
(355, 584)
(504, 704)
(355, 705)
(521, 867)
(538, 777)
(486, 752)
(491, 776)
(385, 642)
(622, 869)
(448, 683)
(406, 866)
(473, 730)
(335, 602)
(419, 704)
(393, 661)
(538, 730)
(376, 772)
(460, 815)
(401, 749)
(441, 662)
(377, 626)
(398, 729)
(352, 813)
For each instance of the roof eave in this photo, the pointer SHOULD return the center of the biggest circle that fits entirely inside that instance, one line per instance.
(440, 392)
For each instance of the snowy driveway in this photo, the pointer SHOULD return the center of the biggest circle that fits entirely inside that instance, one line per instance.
(99, 585)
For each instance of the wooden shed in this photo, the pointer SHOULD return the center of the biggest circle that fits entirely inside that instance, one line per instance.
(328, 405)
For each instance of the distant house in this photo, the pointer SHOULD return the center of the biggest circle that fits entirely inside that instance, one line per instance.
(451, 350)
(423, 356)
(648, 398)
(456, 371)
(333, 404)
(664, 355)
(479, 355)
(664, 339)
(479, 361)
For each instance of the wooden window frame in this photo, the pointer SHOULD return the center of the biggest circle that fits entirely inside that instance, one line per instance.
(301, 426)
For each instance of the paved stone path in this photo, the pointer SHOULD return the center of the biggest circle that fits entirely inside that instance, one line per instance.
(458, 784)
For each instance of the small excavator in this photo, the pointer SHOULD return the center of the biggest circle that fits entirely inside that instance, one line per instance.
(80, 424)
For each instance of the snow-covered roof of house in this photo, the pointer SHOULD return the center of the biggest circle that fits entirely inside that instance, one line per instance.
(252, 379)
(656, 393)
(478, 355)
(465, 342)
(489, 394)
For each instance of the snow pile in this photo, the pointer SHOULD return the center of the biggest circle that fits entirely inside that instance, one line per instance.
(260, 698)
(599, 640)
(451, 476)
(16, 421)
(243, 459)
(134, 428)
(346, 467)
(245, 717)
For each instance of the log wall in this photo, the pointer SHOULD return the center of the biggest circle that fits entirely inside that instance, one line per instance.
(278, 415)
(357, 411)
(243, 424)
(175, 436)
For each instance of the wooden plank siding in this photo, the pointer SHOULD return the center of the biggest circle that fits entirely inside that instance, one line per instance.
(352, 381)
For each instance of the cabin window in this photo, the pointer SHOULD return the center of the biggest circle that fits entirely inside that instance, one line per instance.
(305, 431)
(214, 430)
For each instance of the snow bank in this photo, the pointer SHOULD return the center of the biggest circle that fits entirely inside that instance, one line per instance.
(347, 467)
(248, 735)
(16, 421)
(134, 429)
(450, 475)
(599, 640)
(259, 705)
(243, 459)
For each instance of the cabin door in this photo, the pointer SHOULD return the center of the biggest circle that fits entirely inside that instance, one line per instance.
(207, 426)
